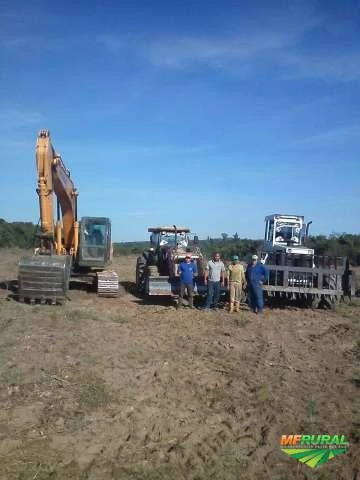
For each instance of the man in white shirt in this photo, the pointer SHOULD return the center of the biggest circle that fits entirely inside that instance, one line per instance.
(214, 279)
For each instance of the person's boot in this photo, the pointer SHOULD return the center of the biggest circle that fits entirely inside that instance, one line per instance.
(231, 307)
(236, 306)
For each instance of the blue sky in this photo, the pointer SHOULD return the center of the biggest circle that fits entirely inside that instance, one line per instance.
(206, 114)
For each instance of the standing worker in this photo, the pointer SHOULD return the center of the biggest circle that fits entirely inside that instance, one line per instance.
(237, 282)
(256, 275)
(187, 271)
(214, 279)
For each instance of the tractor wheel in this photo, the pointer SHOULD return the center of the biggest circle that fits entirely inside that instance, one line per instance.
(141, 274)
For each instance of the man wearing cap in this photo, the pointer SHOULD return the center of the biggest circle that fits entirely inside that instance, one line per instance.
(187, 270)
(256, 275)
(237, 282)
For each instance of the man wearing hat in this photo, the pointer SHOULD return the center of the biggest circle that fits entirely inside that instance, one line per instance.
(187, 270)
(256, 275)
(237, 282)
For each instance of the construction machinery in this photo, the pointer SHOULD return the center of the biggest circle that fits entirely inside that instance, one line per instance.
(295, 271)
(68, 248)
(156, 268)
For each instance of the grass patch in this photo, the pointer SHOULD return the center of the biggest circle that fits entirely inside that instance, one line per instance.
(263, 393)
(28, 469)
(11, 377)
(161, 473)
(355, 424)
(30, 465)
(241, 322)
(93, 395)
(311, 410)
(229, 464)
(78, 314)
(88, 360)
(348, 309)
(356, 378)
(120, 319)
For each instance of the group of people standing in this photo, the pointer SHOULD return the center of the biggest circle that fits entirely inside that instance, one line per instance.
(238, 279)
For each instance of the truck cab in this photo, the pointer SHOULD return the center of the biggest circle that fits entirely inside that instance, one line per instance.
(287, 234)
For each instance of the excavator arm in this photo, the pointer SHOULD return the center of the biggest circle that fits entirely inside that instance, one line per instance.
(54, 178)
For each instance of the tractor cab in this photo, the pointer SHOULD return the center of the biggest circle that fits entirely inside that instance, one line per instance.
(286, 233)
(167, 237)
(169, 246)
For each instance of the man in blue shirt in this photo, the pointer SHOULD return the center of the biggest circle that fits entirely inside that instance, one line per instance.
(187, 271)
(256, 275)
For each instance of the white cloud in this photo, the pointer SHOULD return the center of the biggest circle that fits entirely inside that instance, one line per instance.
(130, 151)
(216, 52)
(279, 46)
(13, 42)
(344, 66)
(330, 137)
(114, 43)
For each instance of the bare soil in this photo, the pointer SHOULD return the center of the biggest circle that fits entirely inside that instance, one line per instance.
(125, 389)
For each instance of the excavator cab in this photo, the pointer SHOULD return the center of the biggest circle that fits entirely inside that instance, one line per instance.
(95, 242)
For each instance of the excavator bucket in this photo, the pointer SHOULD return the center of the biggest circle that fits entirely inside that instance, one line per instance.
(44, 278)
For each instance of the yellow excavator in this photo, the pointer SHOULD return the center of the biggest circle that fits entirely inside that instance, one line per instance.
(67, 249)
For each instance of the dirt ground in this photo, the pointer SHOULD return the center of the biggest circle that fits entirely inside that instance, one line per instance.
(126, 390)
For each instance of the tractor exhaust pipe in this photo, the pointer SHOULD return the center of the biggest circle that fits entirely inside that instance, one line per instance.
(307, 228)
(307, 232)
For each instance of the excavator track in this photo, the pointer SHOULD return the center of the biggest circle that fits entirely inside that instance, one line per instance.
(44, 278)
(107, 284)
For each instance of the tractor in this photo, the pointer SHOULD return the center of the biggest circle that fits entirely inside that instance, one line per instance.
(296, 273)
(156, 268)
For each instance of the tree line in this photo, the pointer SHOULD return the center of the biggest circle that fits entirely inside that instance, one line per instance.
(17, 234)
(339, 245)
(24, 235)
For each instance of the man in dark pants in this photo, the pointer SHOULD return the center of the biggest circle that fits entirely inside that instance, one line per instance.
(187, 271)
(256, 275)
(214, 279)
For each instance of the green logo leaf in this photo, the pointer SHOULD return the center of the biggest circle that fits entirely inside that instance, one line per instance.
(313, 457)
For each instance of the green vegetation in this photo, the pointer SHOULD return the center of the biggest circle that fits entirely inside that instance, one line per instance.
(340, 245)
(17, 234)
(129, 248)
(23, 235)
